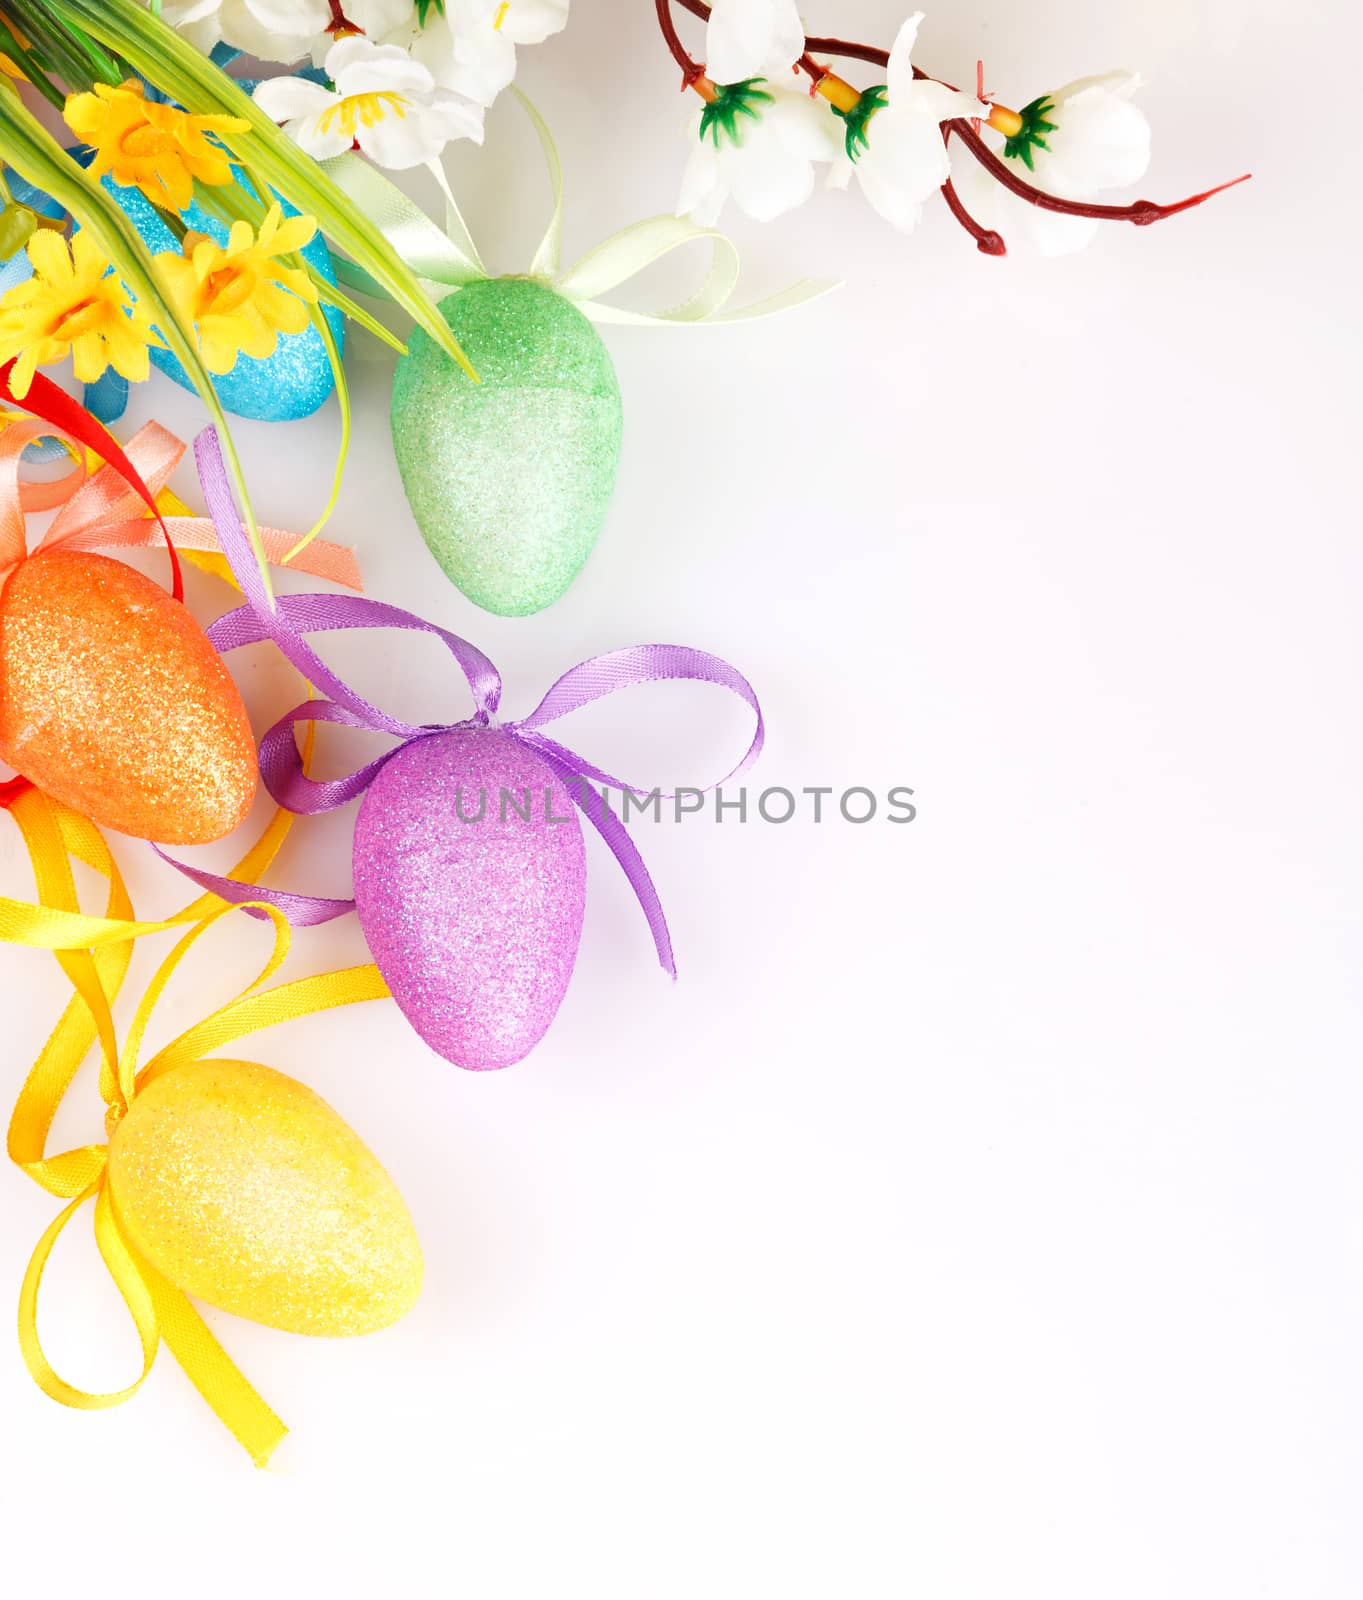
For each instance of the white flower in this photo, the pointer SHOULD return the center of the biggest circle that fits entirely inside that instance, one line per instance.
(757, 144)
(383, 101)
(471, 47)
(1075, 143)
(752, 39)
(897, 150)
(270, 30)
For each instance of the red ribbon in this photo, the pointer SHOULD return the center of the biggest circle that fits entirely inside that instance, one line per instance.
(46, 401)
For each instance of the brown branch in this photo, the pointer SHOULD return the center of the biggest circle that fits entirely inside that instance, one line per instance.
(692, 70)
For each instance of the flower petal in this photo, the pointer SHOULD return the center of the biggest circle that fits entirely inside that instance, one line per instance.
(298, 18)
(51, 258)
(807, 126)
(765, 176)
(534, 21)
(359, 66)
(1102, 140)
(319, 136)
(703, 190)
(939, 103)
(241, 27)
(378, 18)
(905, 163)
(400, 142)
(899, 74)
(752, 39)
(286, 98)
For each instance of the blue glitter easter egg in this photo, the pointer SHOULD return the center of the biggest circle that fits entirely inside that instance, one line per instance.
(297, 378)
(509, 478)
(470, 885)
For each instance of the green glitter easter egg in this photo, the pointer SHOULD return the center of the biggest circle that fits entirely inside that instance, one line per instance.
(509, 478)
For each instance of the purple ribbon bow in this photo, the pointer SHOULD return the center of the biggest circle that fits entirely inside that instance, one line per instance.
(287, 619)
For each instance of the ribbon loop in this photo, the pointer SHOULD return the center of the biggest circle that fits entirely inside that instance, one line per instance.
(124, 1271)
(622, 669)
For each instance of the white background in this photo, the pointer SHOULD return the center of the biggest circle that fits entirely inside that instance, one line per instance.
(979, 1216)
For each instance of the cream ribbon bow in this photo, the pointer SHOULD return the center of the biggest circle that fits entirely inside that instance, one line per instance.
(447, 259)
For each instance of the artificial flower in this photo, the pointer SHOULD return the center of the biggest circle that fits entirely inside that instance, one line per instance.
(383, 101)
(894, 138)
(469, 46)
(270, 30)
(752, 39)
(73, 302)
(758, 145)
(1075, 143)
(239, 296)
(147, 145)
(376, 19)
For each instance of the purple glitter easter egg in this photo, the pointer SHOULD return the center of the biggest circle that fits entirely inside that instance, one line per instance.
(470, 883)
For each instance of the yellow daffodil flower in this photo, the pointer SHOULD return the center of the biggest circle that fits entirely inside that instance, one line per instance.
(73, 302)
(144, 144)
(239, 296)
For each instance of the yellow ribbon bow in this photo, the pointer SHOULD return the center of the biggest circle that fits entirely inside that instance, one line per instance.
(95, 953)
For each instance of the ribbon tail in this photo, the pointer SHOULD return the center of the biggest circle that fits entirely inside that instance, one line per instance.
(301, 910)
(595, 807)
(456, 229)
(545, 262)
(232, 1398)
(423, 247)
(797, 294)
(301, 998)
(197, 541)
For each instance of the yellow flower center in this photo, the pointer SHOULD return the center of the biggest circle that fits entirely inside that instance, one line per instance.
(84, 317)
(142, 142)
(227, 289)
(358, 111)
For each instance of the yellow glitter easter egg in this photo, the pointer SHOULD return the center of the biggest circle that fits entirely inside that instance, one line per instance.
(247, 1191)
(113, 701)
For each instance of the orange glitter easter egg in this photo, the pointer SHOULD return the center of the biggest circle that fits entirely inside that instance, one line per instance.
(113, 701)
